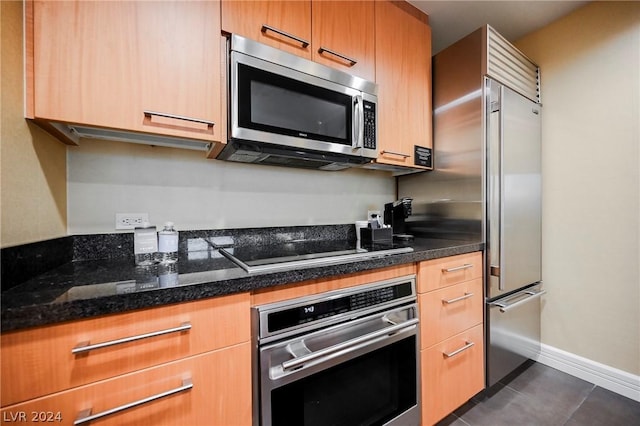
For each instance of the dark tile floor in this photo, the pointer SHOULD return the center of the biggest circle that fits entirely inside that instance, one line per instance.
(538, 395)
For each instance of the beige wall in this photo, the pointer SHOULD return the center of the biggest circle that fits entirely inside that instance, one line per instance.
(33, 201)
(195, 193)
(590, 63)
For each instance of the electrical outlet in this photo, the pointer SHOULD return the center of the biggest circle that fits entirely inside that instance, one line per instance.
(130, 220)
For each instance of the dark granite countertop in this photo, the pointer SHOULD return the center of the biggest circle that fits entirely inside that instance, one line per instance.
(84, 288)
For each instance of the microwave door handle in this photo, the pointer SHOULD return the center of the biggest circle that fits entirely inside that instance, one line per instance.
(358, 129)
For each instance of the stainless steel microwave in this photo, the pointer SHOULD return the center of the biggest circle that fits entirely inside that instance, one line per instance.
(287, 110)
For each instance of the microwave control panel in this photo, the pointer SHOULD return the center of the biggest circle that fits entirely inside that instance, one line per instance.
(369, 125)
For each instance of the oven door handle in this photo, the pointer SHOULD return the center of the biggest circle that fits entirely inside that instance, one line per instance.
(297, 362)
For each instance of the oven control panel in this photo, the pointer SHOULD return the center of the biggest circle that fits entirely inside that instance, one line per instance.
(333, 305)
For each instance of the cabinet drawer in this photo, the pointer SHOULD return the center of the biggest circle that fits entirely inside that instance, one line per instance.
(40, 361)
(449, 311)
(220, 394)
(438, 273)
(450, 381)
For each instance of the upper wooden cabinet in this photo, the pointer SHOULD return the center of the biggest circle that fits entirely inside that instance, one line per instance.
(285, 25)
(145, 67)
(403, 73)
(343, 36)
(338, 34)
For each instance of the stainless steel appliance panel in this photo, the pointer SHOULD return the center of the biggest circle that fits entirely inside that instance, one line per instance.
(344, 357)
(514, 191)
(486, 182)
(289, 108)
(514, 336)
(448, 201)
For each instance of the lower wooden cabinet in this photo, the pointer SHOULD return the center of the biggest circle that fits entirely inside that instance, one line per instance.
(213, 388)
(453, 372)
(43, 360)
(451, 304)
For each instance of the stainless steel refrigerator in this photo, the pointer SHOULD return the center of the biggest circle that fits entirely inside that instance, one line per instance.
(486, 184)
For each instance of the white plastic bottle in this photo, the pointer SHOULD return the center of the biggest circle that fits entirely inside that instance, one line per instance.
(145, 244)
(168, 244)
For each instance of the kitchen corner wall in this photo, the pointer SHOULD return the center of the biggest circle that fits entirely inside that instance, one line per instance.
(182, 186)
(33, 198)
(590, 62)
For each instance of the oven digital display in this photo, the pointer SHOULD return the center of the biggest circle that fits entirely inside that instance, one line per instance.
(327, 308)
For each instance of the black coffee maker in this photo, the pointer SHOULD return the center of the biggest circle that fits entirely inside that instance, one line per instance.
(395, 213)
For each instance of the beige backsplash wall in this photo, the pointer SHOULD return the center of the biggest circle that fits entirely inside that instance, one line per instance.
(33, 200)
(181, 186)
(590, 62)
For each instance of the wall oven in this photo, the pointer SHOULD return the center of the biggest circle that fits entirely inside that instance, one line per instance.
(345, 357)
(287, 110)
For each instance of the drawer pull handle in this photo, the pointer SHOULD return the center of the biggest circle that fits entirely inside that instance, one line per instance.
(86, 347)
(457, 299)
(149, 114)
(458, 268)
(339, 55)
(302, 41)
(457, 351)
(85, 416)
(384, 151)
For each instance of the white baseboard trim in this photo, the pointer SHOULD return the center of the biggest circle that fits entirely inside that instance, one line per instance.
(618, 381)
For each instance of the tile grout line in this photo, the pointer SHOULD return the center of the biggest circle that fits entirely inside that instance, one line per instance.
(462, 420)
(580, 405)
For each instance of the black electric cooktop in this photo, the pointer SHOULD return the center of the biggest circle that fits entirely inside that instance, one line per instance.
(299, 254)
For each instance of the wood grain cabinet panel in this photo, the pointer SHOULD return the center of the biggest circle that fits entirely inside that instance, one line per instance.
(221, 394)
(451, 303)
(249, 18)
(403, 73)
(451, 310)
(104, 63)
(438, 273)
(346, 29)
(40, 361)
(331, 33)
(452, 378)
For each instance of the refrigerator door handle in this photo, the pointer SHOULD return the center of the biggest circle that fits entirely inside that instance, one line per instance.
(532, 294)
(495, 185)
(501, 193)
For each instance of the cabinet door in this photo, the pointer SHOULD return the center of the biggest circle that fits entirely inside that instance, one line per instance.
(452, 373)
(220, 395)
(105, 63)
(344, 36)
(403, 73)
(285, 25)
